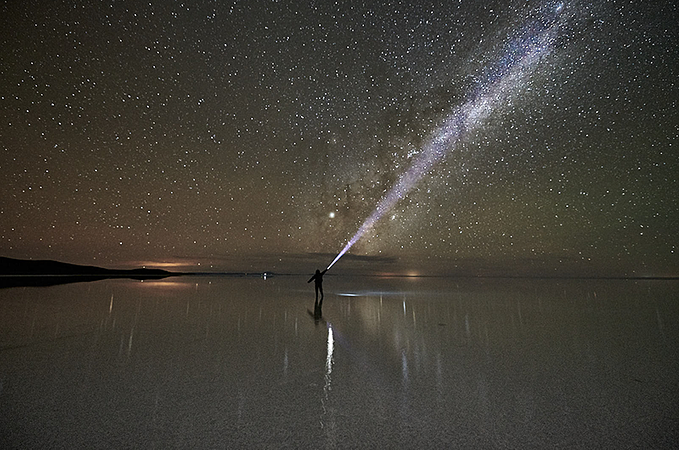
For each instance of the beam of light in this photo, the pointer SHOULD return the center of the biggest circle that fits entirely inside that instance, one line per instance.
(520, 59)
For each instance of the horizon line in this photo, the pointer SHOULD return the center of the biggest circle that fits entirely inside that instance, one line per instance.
(377, 275)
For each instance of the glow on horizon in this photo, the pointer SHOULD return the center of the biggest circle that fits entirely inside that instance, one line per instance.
(470, 116)
(162, 265)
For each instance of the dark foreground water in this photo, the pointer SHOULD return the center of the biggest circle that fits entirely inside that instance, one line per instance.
(199, 362)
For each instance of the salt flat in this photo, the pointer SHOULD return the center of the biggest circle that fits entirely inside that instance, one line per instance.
(224, 362)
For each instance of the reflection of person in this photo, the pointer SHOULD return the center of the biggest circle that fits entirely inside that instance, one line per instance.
(318, 312)
(318, 278)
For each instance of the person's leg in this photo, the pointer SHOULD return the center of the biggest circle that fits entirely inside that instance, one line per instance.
(317, 293)
(321, 289)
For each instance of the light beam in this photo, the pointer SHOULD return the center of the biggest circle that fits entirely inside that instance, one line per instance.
(521, 58)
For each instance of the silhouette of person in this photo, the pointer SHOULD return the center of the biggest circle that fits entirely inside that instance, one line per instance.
(318, 285)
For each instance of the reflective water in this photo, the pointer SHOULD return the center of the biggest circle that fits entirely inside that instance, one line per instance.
(197, 362)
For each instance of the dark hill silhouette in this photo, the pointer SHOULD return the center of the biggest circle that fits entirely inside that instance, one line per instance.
(21, 272)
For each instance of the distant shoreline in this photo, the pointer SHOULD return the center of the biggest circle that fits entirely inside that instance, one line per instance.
(21, 272)
(18, 267)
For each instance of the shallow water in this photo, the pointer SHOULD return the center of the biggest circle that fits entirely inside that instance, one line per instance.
(198, 362)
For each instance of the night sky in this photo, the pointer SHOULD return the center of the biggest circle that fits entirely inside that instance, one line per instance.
(259, 135)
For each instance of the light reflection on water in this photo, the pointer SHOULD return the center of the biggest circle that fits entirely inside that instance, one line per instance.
(328, 416)
(230, 362)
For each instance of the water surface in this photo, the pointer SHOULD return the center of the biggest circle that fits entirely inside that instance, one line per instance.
(198, 362)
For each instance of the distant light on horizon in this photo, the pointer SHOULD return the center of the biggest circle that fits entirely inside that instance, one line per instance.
(163, 264)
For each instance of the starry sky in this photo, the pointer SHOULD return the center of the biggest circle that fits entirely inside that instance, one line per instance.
(259, 135)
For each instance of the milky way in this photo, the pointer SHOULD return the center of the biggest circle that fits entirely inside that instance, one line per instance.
(506, 82)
